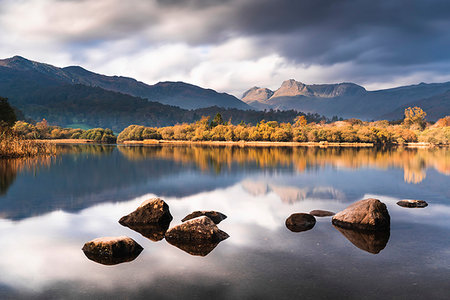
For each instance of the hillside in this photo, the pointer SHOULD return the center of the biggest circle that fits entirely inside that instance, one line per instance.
(180, 94)
(349, 100)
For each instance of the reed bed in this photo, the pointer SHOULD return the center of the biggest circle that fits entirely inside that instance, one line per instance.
(12, 146)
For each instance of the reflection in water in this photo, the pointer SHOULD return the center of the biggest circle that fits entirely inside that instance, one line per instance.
(412, 161)
(370, 241)
(195, 248)
(10, 167)
(154, 232)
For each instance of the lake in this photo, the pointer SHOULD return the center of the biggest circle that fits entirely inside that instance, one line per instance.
(50, 207)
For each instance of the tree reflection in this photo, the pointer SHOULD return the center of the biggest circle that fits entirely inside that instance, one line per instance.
(414, 162)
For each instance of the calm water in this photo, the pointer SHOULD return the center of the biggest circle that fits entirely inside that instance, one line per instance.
(50, 208)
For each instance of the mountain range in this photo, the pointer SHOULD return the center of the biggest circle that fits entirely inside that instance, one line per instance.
(73, 96)
(349, 100)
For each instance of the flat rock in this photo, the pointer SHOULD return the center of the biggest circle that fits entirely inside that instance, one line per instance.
(372, 241)
(112, 250)
(321, 213)
(215, 216)
(367, 214)
(412, 203)
(195, 230)
(151, 211)
(300, 222)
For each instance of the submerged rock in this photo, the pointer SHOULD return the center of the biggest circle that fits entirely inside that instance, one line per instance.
(300, 222)
(150, 211)
(368, 214)
(321, 213)
(112, 250)
(198, 236)
(215, 216)
(372, 241)
(412, 203)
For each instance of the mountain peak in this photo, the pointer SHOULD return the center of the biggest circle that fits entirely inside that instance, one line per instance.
(290, 88)
(257, 94)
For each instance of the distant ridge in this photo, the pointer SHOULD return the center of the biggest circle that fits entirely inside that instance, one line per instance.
(349, 100)
(179, 94)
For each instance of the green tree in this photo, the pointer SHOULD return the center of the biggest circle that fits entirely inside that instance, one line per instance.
(7, 115)
(218, 120)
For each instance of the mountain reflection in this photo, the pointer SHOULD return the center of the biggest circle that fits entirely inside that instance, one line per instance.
(414, 162)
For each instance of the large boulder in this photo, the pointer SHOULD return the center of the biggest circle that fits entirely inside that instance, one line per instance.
(215, 216)
(372, 241)
(198, 236)
(300, 222)
(368, 214)
(412, 203)
(112, 250)
(321, 213)
(151, 219)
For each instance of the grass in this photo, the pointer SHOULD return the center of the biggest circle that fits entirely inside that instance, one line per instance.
(12, 146)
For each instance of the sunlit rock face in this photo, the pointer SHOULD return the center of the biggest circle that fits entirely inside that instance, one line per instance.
(368, 214)
(215, 216)
(321, 213)
(112, 250)
(198, 236)
(372, 241)
(300, 222)
(412, 203)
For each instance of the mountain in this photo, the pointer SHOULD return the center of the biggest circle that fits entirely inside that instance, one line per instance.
(179, 94)
(350, 100)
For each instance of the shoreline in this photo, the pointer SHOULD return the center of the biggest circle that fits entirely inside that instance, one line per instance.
(245, 143)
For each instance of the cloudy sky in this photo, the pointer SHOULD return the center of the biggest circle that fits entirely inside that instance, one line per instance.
(231, 45)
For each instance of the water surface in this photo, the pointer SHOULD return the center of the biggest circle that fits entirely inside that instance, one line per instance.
(49, 208)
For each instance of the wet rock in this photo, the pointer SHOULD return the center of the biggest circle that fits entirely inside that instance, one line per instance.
(372, 241)
(198, 236)
(154, 232)
(215, 216)
(300, 222)
(112, 250)
(367, 214)
(321, 213)
(412, 203)
(150, 211)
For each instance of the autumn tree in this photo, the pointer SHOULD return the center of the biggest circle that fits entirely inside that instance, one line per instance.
(415, 116)
(300, 121)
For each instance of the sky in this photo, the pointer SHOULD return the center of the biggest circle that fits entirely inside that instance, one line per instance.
(232, 45)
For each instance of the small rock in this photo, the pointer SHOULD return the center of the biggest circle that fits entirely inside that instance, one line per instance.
(372, 241)
(151, 211)
(321, 213)
(368, 214)
(112, 250)
(198, 229)
(300, 222)
(215, 216)
(412, 203)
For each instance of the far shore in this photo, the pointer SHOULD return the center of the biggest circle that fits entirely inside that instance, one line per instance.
(240, 143)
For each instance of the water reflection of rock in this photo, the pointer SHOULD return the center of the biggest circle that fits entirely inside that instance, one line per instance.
(292, 194)
(195, 248)
(154, 232)
(370, 241)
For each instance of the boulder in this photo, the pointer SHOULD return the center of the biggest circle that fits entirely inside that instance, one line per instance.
(215, 216)
(152, 211)
(412, 203)
(367, 214)
(112, 250)
(321, 213)
(196, 230)
(372, 241)
(300, 222)
(198, 236)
